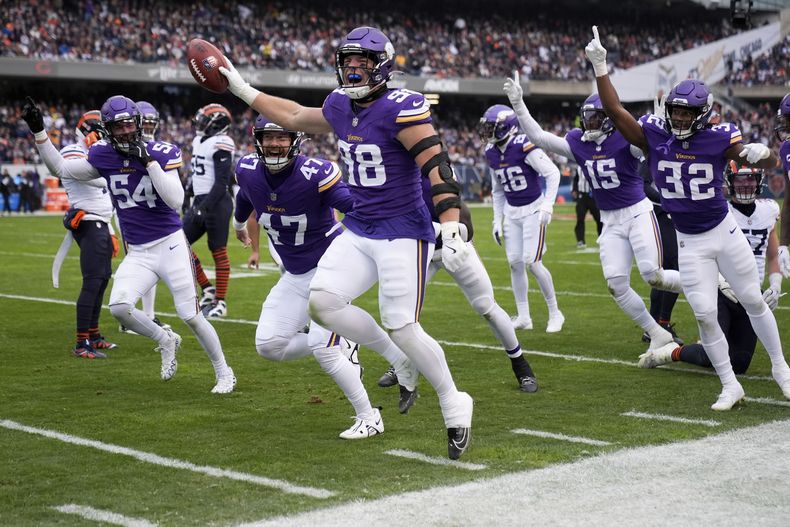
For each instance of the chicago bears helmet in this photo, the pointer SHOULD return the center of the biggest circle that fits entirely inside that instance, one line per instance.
(595, 123)
(89, 127)
(120, 117)
(499, 122)
(782, 127)
(211, 120)
(275, 157)
(150, 120)
(692, 95)
(744, 183)
(373, 45)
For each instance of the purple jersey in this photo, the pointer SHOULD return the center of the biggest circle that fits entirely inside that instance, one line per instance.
(609, 168)
(294, 206)
(382, 175)
(519, 180)
(143, 215)
(689, 173)
(784, 156)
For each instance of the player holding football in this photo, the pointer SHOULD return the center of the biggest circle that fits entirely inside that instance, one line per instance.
(521, 211)
(212, 167)
(293, 197)
(386, 140)
(146, 191)
(756, 218)
(687, 159)
(610, 166)
(782, 130)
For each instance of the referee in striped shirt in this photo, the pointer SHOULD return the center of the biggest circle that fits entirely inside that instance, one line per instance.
(584, 202)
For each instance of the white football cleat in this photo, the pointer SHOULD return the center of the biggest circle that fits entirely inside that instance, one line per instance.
(216, 309)
(225, 382)
(521, 322)
(729, 397)
(782, 377)
(556, 321)
(208, 296)
(168, 351)
(653, 358)
(365, 428)
(660, 339)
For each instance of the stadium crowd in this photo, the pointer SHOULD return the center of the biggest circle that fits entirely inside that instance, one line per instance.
(295, 35)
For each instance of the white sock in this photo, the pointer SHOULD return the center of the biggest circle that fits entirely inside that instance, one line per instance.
(502, 328)
(429, 357)
(346, 376)
(209, 340)
(767, 331)
(546, 284)
(520, 283)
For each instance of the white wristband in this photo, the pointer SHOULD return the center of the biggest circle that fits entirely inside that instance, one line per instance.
(775, 282)
(41, 136)
(600, 69)
(248, 94)
(239, 226)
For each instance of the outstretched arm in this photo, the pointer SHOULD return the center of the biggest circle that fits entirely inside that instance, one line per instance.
(623, 121)
(285, 112)
(536, 134)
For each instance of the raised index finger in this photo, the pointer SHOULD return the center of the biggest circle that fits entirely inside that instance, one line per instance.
(595, 33)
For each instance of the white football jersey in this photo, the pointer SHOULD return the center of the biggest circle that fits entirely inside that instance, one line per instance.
(203, 160)
(91, 196)
(757, 227)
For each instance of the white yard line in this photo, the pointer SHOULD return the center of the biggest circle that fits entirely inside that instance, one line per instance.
(767, 400)
(408, 454)
(738, 478)
(170, 462)
(560, 437)
(671, 418)
(563, 356)
(99, 515)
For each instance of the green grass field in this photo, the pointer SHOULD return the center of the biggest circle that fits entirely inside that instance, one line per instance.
(135, 445)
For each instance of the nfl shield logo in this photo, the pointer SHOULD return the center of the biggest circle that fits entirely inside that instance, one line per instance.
(273, 196)
(125, 162)
(354, 121)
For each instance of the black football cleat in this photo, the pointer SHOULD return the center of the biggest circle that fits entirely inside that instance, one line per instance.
(390, 378)
(528, 384)
(458, 441)
(407, 399)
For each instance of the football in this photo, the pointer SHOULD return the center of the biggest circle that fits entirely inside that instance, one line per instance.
(204, 60)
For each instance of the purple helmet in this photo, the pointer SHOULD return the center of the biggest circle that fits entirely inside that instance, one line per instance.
(594, 120)
(782, 128)
(121, 119)
(692, 95)
(282, 156)
(150, 120)
(497, 124)
(373, 45)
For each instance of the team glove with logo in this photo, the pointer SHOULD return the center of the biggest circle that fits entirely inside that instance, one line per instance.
(454, 249)
(754, 152)
(138, 150)
(32, 116)
(497, 232)
(596, 53)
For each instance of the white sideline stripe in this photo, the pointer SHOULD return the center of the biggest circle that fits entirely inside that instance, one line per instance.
(561, 437)
(767, 400)
(408, 454)
(563, 356)
(660, 417)
(170, 462)
(99, 515)
(37, 255)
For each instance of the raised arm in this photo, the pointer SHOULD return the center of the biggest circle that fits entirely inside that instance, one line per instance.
(536, 134)
(285, 112)
(622, 119)
(77, 168)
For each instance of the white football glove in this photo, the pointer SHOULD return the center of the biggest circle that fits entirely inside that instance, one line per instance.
(726, 290)
(771, 297)
(754, 152)
(545, 211)
(237, 85)
(454, 249)
(596, 53)
(513, 90)
(659, 106)
(497, 232)
(784, 261)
